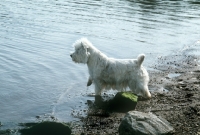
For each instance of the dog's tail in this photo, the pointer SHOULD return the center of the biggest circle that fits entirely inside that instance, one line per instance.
(140, 59)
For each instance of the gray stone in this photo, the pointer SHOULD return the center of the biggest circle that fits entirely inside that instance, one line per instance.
(139, 123)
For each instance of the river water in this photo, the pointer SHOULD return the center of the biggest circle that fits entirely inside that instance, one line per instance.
(37, 75)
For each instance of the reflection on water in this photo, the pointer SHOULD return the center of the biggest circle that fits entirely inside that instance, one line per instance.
(37, 76)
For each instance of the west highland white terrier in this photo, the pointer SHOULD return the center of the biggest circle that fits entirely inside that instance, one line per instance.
(109, 73)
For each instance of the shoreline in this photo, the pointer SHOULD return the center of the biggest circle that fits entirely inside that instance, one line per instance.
(175, 97)
(179, 105)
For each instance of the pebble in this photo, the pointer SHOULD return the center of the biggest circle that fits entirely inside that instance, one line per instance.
(52, 117)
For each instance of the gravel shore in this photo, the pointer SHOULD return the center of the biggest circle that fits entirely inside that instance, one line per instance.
(175, 97)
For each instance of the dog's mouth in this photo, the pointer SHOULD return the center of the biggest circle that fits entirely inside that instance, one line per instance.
(73, 59)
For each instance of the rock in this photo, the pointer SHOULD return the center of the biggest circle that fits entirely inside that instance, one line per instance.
(47, 128)
(139, 123)
(5, 132)
(123, 102)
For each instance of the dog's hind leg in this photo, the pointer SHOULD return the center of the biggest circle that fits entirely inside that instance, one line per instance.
(89, 81)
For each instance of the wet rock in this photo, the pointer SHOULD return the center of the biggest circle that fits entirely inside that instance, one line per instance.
(47, 128)
(6, 132)
(123, 102)
(139, 123)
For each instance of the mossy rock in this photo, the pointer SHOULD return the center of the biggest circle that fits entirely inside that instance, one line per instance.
(123, 102)
(47, 128)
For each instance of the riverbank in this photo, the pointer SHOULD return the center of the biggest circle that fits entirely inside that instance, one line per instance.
(175, 97)
(180, 105)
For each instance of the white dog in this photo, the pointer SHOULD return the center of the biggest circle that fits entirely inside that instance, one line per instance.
(107, 73)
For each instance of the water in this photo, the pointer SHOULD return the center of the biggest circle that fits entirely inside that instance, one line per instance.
(37, 76)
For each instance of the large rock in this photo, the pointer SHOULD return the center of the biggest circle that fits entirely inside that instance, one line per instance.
(139, 123)
(47, 128)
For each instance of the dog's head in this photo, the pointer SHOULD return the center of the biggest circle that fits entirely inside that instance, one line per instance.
(142, 78)
(81, 53)
(142, 82)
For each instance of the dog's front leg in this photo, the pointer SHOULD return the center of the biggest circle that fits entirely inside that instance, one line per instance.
(89, 81)
(98, 88)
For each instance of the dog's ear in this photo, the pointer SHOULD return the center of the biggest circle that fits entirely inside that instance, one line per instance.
(84, 45)
(86, 48)
(140, 59)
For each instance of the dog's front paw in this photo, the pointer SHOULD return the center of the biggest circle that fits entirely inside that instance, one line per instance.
(89, 82)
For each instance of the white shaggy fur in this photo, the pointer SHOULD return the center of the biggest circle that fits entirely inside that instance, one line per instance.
(110, 73)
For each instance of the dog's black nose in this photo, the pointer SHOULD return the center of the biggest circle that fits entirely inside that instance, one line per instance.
(71, 55)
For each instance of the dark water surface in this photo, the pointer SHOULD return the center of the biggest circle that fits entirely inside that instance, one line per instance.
(37, 76)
